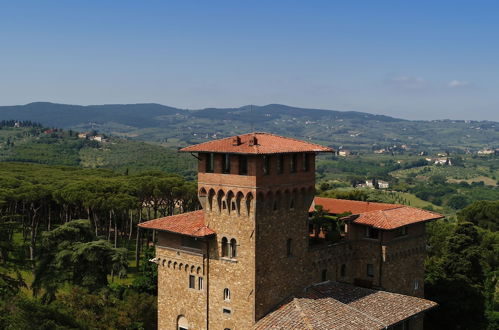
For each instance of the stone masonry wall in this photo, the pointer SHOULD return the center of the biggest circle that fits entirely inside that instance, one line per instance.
(175, 298)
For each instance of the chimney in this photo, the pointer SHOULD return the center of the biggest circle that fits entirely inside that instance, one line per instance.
(236, 141)
(253, 141)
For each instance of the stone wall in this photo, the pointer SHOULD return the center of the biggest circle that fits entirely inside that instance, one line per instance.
(175, 298)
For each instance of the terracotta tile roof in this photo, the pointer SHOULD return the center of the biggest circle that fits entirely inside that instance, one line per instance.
(394, 218)
(333, 305)
(338, 206)
(265, 144)
(190, 224)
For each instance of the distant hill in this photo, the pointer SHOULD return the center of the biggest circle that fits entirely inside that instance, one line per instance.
(34, 144)
(180, 127)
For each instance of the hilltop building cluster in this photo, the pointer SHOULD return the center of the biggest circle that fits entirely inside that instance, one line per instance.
(249, 259)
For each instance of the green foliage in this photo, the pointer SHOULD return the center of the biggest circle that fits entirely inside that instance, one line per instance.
(484, 214)
(80, 309)
(456, 282)
(147, 280)
(72, 254)
(29, 314)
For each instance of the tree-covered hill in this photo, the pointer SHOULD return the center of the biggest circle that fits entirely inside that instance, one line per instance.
(34, 144)
(180, 127)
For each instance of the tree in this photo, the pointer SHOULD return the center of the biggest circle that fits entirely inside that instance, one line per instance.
(72, 254)
(147, 280)
(484, 214)
(458, 202)
(456, 282)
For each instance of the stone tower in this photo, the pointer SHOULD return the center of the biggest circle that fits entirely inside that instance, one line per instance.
(256, 190)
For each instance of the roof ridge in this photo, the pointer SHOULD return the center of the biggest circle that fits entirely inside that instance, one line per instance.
(372, 318)
(291, 138)
(296, 303)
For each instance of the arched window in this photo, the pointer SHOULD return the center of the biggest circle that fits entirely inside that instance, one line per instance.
(226, 294)
(211, 195)
(249, 198)
(239, 198)
(220, 200)
(343, 270)
(233, 248)
(230, 201)
(225, 248)
(182, 323)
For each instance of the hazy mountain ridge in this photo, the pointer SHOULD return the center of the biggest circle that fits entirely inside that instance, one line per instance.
(356, 130)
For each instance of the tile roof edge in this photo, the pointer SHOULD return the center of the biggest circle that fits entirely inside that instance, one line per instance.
(261, 133)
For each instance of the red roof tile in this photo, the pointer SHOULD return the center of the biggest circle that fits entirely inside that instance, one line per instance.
(394, 218)
(334, 305)
(265, 144)
(339, 206)
(190, 224)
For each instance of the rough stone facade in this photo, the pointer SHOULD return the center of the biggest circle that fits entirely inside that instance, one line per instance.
(263, 216)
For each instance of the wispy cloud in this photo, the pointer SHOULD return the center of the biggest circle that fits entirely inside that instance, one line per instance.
(457, 83)
(407, 82)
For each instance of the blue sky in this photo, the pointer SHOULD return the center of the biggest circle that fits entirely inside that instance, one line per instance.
(409, 59)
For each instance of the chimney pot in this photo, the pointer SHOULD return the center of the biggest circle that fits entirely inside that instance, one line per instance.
(236, 141)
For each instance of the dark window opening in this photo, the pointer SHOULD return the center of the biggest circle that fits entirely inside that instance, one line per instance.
(280, 164)
(292, 204)
(226, 311)
(209, 163)
(225, 248)
(274, 207)
(266, 165)
(370, 270)
(293, 163)
(226, 294)
(306, 161)
(226, 163)
(233, 248)
(191, 243)
(289, 247)
(200, 283)
(343, 270)
(243, 165)
(372, 233)
(324, 275)
(192, 281)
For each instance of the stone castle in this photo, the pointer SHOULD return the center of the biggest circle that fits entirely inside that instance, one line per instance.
(250, 259)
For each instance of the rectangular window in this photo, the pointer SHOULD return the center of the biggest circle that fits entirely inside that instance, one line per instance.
(280, 164)
(370, 270)
(293, 163)
(200, 283)
(372, 233)
(289, 247)
(226, 163)
(306, 160)
(192, 281)
(226, 311)
(266, 165)
(243, 165)
(209, 163)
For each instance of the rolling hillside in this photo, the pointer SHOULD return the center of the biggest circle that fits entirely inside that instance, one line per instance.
(179, 127)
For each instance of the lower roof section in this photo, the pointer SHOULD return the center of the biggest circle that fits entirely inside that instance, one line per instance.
(333, 305)
(189, 224)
